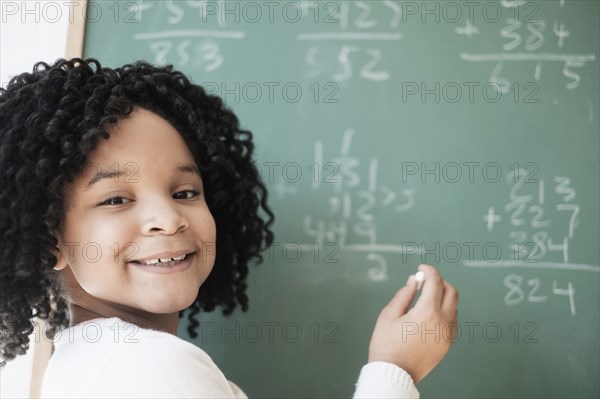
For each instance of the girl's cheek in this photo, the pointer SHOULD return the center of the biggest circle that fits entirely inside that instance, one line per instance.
(211, 229)
(212, 233)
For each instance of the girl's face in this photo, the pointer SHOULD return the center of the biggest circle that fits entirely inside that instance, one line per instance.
(159, 208)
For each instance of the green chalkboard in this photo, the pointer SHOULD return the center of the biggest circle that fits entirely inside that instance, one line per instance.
(461, 134)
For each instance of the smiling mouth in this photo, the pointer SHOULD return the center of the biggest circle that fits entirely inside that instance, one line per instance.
(159, 263)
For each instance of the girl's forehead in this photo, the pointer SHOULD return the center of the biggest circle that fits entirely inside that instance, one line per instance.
(141, 142)
(142, 134)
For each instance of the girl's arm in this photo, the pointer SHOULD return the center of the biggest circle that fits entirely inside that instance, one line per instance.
(384, 380)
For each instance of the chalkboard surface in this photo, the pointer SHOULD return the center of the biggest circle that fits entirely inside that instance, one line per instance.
(461, 134)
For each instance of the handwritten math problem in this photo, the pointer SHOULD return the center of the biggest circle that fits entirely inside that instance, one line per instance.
(531, 216)
(525, 40)
(351, 205)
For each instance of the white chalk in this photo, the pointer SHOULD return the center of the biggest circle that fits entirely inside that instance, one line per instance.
(420, 277)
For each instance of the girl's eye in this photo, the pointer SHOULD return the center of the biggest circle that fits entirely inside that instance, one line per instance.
(109, 201)
(194, 193)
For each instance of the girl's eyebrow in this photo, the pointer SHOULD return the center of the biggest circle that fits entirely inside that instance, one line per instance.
(188, 168)
(111, 174)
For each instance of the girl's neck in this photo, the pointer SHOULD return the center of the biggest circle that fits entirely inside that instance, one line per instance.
(84, 307)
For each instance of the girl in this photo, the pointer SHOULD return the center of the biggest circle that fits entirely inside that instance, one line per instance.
(128, 196)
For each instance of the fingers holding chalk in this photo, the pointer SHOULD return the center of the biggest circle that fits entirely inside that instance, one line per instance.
(432, 287)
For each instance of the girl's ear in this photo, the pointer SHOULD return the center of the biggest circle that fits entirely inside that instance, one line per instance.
(61, 260)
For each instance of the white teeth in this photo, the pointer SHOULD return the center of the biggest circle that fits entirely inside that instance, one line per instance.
(164, 260)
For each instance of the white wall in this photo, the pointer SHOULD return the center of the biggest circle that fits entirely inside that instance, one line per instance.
(30, 31)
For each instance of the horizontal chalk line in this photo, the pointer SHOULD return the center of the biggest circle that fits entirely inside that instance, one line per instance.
(349, 36)
(189, 33)
(411, 250)
(533, 265)
(527, 57)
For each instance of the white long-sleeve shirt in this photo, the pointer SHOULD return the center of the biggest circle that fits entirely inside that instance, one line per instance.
(108, 358)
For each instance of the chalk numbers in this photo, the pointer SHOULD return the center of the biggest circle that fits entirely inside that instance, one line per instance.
(355, 196)
(353, 20)
(526, 39)
(204, 54)
(368, 65)
(534, 223)
(531, 291)
(530, 216)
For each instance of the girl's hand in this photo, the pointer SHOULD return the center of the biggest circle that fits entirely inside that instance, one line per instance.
(417, 339)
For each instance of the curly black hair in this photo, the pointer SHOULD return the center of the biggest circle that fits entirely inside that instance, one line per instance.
(51, 119)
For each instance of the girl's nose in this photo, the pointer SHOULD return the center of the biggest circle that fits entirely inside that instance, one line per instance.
(164, 217)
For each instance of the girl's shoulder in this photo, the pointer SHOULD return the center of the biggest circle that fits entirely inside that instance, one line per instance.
(127, 355)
